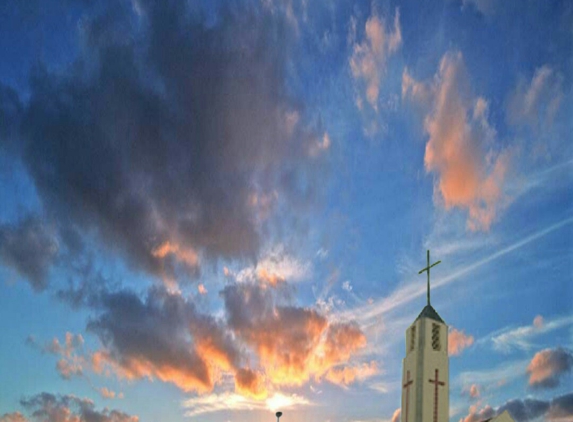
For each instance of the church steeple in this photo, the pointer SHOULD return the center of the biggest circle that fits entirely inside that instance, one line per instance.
(425, 392)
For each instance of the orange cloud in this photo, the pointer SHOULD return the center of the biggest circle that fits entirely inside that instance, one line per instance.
(107, 393)
(271, 278)
(342, 340)
(201, 289)
(458, 341)
(470, 173)
(547, 367)
(162, 337)
(184, 375)
(396, 415)
(185, 255)
(13, 417)
(250, 383)
(349, 374)
(292, 344)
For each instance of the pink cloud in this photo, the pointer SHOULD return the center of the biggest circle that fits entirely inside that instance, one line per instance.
(476, 416)
(474, 391)
(548, 366)
(470, 173)
(458, 341)
(396, 415)
(538, 321)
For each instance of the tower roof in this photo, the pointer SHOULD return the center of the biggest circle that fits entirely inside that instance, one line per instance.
(429, 312)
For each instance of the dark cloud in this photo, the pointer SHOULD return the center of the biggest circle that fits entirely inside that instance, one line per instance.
(10, 111)
(548, 367)
(47, 407)
(561, 408)
(163, 336)
(30, 248)
(522, 410)
(261, 340)
(166, 133)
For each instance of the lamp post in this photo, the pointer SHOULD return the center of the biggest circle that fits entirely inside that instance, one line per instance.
(278, 415)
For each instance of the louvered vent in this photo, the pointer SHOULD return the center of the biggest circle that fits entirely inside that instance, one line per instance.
(412, 338)
(436, 337)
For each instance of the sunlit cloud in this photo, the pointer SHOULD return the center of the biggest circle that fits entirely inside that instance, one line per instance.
(458, 341)
(548, 367)
(369, 60)
(275, 267)
(470, 173)
(71, 362)
(235, 402)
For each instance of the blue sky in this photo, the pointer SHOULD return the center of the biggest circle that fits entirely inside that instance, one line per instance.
(216, 210)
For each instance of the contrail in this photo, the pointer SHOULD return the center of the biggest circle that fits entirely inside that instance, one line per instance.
(413, 290)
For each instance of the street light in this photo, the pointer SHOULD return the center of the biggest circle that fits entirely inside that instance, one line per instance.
(278, 415)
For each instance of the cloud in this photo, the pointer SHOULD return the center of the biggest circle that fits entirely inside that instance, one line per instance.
(396, 415)
(275, 267)
(46, 407)
(470, 172)
(548, 366)
(534, 104)
(235, 402)
(492, 378)
(72, 361)
(106, 393)
(161, 337)
(477, 416)
(29, 247)
(474, 391)
(485, 7)
(511, 338)
(458, 341)
(291, 343)
(13, 417)
(186, 119)
(347, 375)
(319, 146)
(522, 410)
(369, 60)
(538, 321)
(250, 383)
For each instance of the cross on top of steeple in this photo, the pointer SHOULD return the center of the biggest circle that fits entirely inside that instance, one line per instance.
(428, 270)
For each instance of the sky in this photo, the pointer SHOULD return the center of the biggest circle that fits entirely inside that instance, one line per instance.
(216, 210)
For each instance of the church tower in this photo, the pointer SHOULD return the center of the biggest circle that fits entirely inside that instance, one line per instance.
(425, 376)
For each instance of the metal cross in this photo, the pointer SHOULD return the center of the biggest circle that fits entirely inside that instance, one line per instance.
(436, 383)
(407, 385)
(428, 270)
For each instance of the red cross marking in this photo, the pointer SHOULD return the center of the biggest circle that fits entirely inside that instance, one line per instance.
(436, 383)
(407, 385)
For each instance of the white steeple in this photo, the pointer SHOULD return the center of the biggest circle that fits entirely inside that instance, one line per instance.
(425, 377)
